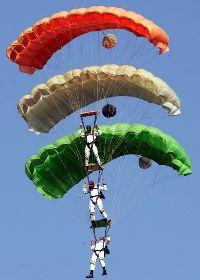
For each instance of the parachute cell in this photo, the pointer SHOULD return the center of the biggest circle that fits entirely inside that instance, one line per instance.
(64, 94)
(58, 167)
(37, 44)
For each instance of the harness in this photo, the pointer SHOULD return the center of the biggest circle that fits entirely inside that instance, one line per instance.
(102, 250)
(91, 143)
(97, 195)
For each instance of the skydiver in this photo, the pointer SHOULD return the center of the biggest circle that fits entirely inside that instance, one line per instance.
(96, 197)
(100, 249)
(90, 136)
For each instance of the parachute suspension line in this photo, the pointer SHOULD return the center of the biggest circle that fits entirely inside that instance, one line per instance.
(45, 48)
(165, 177)
(153, 182)
(138, 200)
(82, 218)
(94, 233)
(98, 89)
(118, 203)
(60, 47)
(95, 120)
(57, 107)
(60, 183)
(116, 185)
(110, 89)
(152, 57)
(115, 147)
(107, 230)
(83, 213)
(81, 206)
(132, 54)
(70, 31)
(72, 103)
(100, 174)
(129, 196)
(130, 46)
(82, 104)
(133, 197)
(143, 198)
(98, 46)
(73, 106)
(78, 156)
(146, 111)
(116, 190)
(142, 51)
(42, 120)
(82, 53)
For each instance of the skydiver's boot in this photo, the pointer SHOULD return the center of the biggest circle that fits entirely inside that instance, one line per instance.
(104, 271)
(91, 275)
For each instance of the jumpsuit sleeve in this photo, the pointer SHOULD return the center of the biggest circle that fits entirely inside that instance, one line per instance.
(92, 247)
(85, 190)
(107, 240)
(98, 132)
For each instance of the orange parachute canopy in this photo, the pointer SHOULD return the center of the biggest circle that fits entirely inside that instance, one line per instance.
(37, 44)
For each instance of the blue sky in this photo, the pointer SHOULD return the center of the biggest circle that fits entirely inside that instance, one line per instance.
(160, 238)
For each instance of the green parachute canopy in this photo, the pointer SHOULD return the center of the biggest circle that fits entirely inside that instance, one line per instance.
(60, 166)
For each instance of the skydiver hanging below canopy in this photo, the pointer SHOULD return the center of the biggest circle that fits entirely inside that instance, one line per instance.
(96, 196)
(90, 134)
(100, 250)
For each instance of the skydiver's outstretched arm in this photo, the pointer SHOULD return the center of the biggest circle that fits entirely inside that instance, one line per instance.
(103, 188)
(97, 132)
(85, 190)
(80, 132)
(107, 240)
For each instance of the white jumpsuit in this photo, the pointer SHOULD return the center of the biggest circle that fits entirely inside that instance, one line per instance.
(95, 199)
(98, 248)
(90, 139)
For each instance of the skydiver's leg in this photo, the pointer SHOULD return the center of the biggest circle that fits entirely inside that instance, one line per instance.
(96, 154)
(102, 262)
(92, 266)
(92, 211)
(93, 262)
(87, 155)
(101, 209)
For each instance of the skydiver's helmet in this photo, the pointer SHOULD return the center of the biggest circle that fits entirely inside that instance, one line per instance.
(88, 128)
(109, 111)
(91, 185)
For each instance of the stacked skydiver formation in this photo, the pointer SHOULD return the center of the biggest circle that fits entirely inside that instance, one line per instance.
(50, 102)
(95, 190)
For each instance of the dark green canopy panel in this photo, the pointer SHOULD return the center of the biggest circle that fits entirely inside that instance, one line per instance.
(60, 166)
